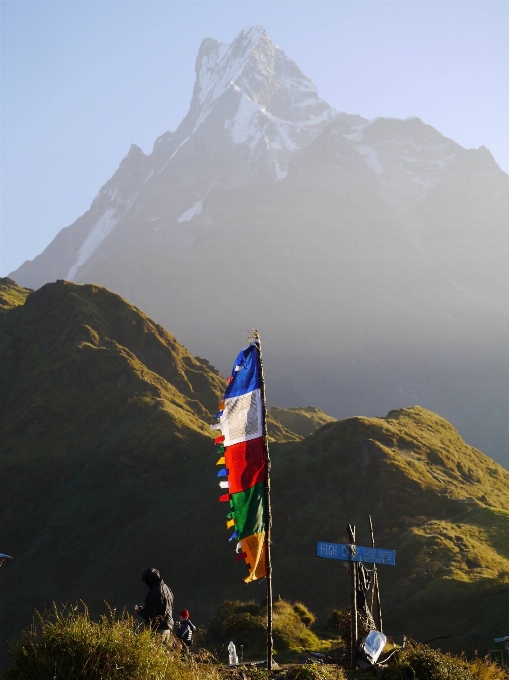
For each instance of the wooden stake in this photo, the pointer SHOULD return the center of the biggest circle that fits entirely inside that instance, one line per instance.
(268, 527)
(374, 566)
(353, 612)
(375, 582)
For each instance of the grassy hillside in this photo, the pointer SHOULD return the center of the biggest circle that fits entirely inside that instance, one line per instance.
(107, 460)
(441, 504)
(107, 467)
(11, 295)
(101, 413)
(296, 423)
(85, 374)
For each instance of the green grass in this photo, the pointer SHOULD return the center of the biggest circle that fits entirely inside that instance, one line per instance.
(11, 295)
(294, 424)
(246, 624)
(314, 672)
(449, 536)
(420, 662)
(67, 643)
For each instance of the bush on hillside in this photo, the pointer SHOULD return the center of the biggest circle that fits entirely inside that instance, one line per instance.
(290, 630)
(307, 617)
(420, 662)
(338, 621)
(485, 669)
(314, 672)
(242, 622)
(246, 624)
(66, 643)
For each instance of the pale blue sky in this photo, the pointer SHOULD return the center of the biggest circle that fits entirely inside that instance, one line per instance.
(82, 80)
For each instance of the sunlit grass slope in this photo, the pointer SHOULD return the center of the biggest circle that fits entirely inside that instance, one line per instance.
(68, 643)
(293, 424)
(103, 415)
(107, 467)
(11, 295)
(86, 374)
(245, 623)
(107, 461)
(441, 504)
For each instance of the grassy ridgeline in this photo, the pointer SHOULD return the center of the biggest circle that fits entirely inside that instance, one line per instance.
(68, 643)
(11, 295)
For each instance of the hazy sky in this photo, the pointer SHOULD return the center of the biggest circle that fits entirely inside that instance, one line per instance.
(82, 80)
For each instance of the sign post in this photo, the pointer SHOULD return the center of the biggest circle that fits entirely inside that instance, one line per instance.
(341, 551)
(350, 552)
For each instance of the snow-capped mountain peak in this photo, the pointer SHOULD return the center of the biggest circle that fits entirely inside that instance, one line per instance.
(254, 66)
(256, 120)
(350, 241)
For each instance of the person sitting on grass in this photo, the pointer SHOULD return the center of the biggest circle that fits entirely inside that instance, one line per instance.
(185, 628)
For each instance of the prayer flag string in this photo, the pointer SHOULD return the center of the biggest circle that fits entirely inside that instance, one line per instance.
(241, 449)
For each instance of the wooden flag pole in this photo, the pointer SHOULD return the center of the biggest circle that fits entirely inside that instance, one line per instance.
(268, 527)
(353, 611)
(376, 587)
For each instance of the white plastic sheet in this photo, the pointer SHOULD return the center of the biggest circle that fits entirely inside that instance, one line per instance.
(373, 645)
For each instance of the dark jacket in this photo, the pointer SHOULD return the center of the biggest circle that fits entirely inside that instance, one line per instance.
(185, 632)
(157, 610)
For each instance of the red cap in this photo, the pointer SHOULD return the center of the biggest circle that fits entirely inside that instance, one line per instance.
(184, 614)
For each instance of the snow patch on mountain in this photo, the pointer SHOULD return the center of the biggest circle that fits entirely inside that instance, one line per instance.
(280, 174)
(208, 86)
(222, 65)
(172, 155)
(322, 117)
(284, 131)
(252, 122)
(188, 215)
(99, 232)
(219, 67)
(306, 102)
(371, 158)
(355, 136)
(102, 228)
(113, 192)
(247, 124)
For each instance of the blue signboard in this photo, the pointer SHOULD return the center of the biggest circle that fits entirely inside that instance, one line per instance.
(341, 551)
